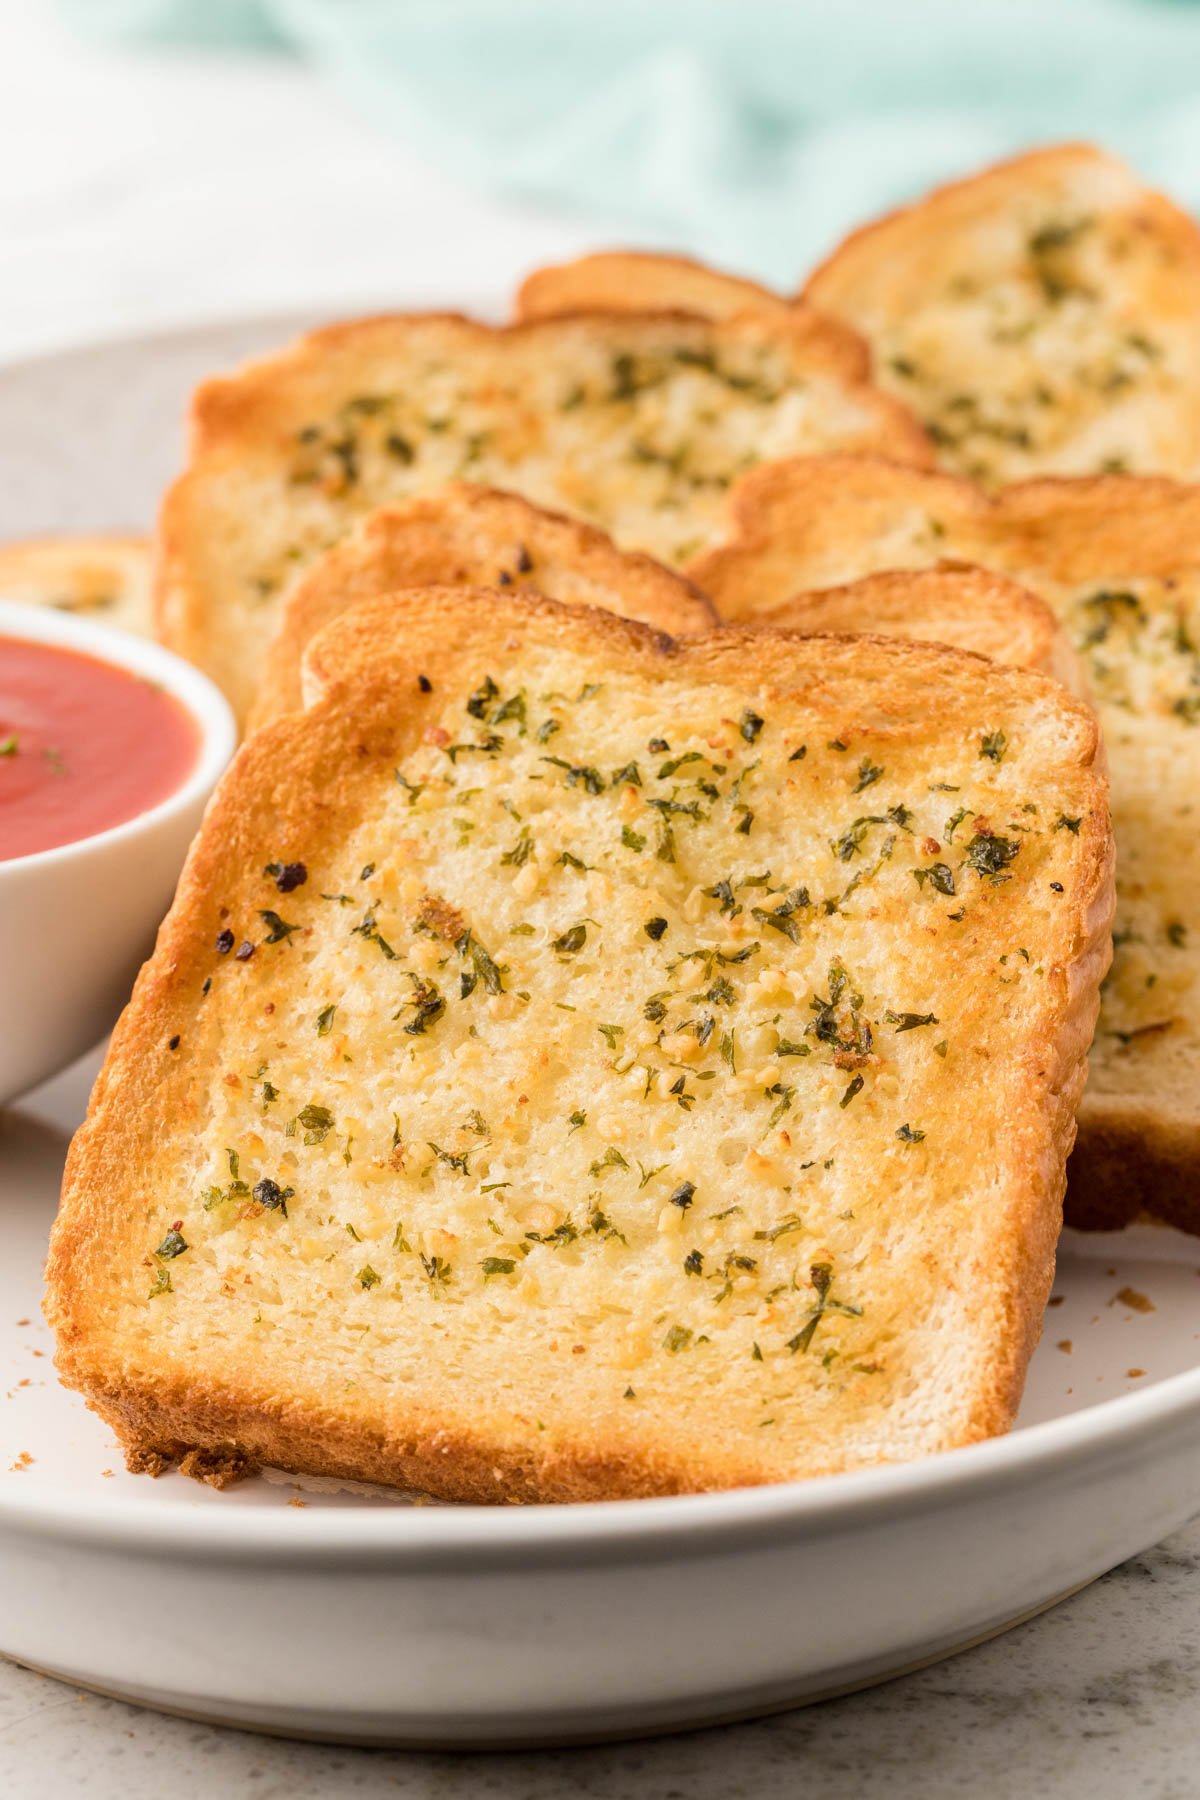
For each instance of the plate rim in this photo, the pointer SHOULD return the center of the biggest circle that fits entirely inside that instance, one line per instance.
(486, 302)
(435, 1539)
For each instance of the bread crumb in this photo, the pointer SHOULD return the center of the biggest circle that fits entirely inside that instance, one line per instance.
(1133, 1374)
(147, 1462)
(216, 1468)
(23, 1462)
(1065, 1345)
(1130, 1297)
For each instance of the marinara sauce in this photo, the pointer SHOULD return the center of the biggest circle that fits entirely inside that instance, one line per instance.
(84, 745)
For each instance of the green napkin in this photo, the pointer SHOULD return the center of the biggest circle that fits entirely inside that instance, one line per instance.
(754, 132)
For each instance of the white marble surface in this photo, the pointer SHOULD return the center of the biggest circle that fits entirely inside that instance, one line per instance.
(151, 190)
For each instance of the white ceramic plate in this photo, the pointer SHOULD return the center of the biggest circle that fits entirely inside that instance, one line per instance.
(309, 1608)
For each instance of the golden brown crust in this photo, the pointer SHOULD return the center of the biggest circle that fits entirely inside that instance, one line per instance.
(965, 607)
(305, 779)
(225, 405)
(790, 520)
(1002, 178)
(1082, 525)
(467, 535)
(105, 576)
(640, 281)
(790, 527)
(282, 463)
(426, 1458)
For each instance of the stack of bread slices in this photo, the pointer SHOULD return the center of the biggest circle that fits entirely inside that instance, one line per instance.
(623, 1023)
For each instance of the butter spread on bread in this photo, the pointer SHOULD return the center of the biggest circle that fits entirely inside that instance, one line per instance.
(638, 424)
(578, 1064)
(1042, 317)
(1118, 560)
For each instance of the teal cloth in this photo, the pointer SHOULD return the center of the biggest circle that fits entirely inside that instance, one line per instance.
(753, 132)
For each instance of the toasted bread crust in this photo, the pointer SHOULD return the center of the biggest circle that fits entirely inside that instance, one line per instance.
(790, 528)
(1131, 1164)
(962, 196)
(824, 520)
(572, 411)
(640, 281)
(465, 535)
(1091, 356)
(792, 521)
(105, 575)
(789, 517)
(224, 406)
(307, 777)
(965, 607)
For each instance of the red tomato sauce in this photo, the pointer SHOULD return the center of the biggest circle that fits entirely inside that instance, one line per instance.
(84, 745)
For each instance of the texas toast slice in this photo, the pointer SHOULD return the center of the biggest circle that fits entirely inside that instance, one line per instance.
(1041, 317)
(636, 423)
(579, 1065)
(463, 535)
(105, 577)
(1118, 559)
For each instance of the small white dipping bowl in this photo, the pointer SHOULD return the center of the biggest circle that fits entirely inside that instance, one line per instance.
(77, 921)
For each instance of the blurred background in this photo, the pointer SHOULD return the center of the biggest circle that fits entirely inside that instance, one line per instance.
(167, 160)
